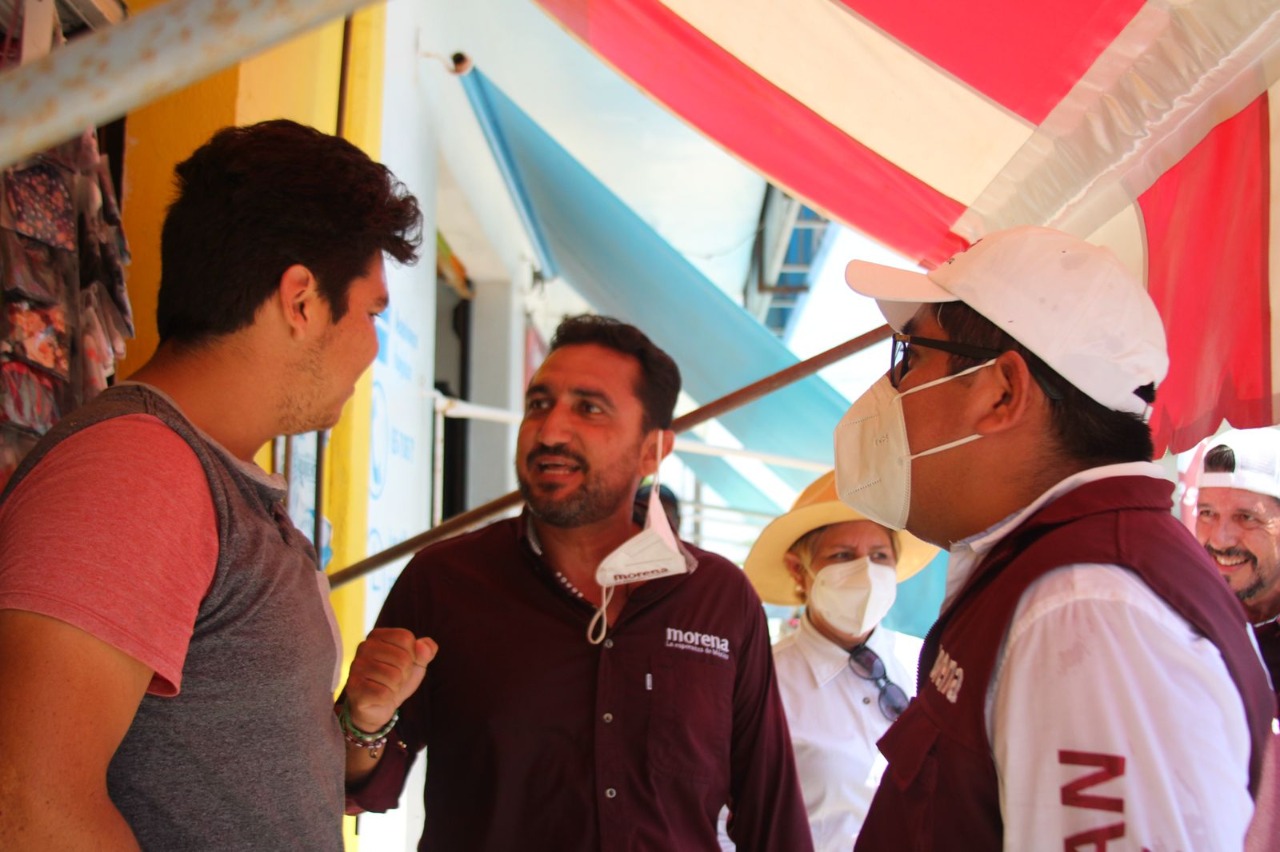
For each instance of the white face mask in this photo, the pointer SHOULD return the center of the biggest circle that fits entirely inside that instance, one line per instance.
(648, 555)
(854, 596)
(873, 458)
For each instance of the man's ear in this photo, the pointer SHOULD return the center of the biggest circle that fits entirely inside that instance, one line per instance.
(649, 463)
(668, 442)
(299, 296)
(1009, 392)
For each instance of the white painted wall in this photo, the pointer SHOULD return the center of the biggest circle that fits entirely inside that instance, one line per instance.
(702, 200)
(497, 380)
(400, 458)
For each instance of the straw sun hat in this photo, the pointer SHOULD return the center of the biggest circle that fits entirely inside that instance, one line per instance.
(817, 506)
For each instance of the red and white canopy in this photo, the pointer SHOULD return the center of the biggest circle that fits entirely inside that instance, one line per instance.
(1145, 126)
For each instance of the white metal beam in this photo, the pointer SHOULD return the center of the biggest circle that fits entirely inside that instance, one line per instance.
(449, 407)
(99, 77)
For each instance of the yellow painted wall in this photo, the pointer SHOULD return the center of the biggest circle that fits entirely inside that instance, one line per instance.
(157, 138)
(348, 460)
(297, 80)
(347, 470)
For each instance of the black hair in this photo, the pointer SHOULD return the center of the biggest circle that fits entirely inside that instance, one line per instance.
(659, 382)
(1222, 459)
(670, 503)
(253, 201)
(1086, 430)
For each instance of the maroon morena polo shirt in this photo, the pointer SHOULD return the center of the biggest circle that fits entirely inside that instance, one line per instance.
(537, 739)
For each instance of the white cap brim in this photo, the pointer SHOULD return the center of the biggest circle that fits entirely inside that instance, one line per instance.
(1257, 461)
(898, 292)
(1243, 480)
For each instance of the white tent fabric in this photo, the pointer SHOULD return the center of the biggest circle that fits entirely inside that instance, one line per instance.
(1145, 126)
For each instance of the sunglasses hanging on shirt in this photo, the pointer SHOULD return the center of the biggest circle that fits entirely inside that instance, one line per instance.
(867, 665)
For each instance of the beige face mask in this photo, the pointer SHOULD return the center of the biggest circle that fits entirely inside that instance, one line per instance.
(853, 597)
(648, 555)
(873, 458)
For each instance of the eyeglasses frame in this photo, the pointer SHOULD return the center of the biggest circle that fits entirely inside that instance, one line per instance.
(901, 342)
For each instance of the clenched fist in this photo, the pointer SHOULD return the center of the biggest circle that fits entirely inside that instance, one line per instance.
(388, 668)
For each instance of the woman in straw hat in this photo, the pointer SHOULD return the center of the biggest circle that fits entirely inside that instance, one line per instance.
(840, 681)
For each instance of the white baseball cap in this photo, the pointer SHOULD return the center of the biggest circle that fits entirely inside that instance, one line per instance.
(1257, 454)
(1070, 302)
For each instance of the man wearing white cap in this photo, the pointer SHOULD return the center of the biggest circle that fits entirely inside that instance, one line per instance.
(838, 673)
(1089, 679)
(1238, 522)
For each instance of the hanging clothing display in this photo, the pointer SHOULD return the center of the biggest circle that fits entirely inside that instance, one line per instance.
(64, 308)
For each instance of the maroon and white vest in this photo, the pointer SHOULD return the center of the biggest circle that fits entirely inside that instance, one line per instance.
(940, 788)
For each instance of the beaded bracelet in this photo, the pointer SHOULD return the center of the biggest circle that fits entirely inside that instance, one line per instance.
(373, 742)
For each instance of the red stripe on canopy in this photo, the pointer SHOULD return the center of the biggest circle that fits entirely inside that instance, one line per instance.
(1209, 217)
(773, 132)
(1206, 226)
(1023, 55)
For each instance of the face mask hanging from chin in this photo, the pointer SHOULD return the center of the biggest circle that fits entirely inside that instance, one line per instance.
(873, 458)
(650, 554)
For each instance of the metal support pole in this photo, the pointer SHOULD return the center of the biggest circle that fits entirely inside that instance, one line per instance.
(437, 466)
(456, 525)
(317, 529)
(288, 465)
(459, 408)
(780, 379)
(277, 454)
(99, 77)
(483, 514)
(699, 449)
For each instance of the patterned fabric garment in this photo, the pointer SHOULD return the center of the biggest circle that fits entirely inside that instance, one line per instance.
(27, 398)
(38, 336)
(39, 205)
(32, 269)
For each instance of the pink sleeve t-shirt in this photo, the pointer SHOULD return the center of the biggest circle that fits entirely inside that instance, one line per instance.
(114, 532)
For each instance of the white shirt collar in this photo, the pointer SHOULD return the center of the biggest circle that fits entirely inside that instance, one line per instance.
(531, 533)
(966, 554)
(825, 659)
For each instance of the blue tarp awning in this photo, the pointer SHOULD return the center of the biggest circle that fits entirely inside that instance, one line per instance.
(624, 268)
(616, 261)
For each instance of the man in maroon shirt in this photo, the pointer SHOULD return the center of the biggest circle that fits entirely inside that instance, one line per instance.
(567, 708)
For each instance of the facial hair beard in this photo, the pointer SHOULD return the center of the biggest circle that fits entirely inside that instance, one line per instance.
(594, 499)
(1256, 586)
(300, 409)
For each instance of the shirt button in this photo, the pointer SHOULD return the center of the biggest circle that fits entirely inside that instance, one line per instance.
(608, 643)
(608, 717)
(610, 793)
